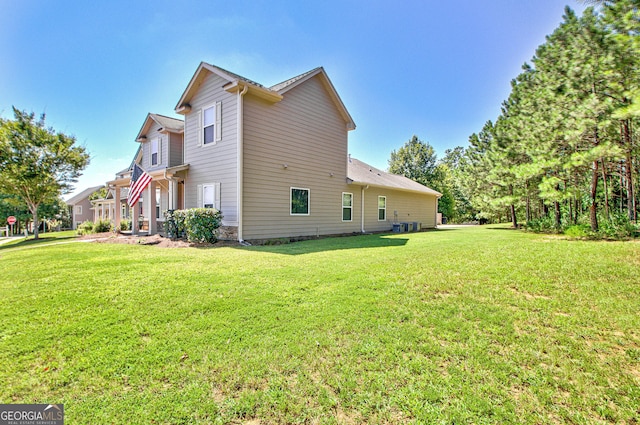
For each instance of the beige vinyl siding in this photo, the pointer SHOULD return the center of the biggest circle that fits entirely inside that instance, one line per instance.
(87, 212)
(163, 150)
(176, 147)
(305, 132)
(215, 162)
(410, 206)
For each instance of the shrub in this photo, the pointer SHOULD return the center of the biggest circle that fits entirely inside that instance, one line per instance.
(196, 224)
(125, 225)
(102, 226)
(543, 224)
(617, 227)
(85, 228)
(578, 231)
(174, 224)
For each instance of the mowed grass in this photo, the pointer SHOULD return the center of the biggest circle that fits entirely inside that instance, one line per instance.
(474, 325)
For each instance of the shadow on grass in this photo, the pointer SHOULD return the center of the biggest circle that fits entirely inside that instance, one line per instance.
(30, 241)
(381, 240)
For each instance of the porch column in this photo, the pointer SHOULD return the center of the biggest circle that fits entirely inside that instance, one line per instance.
(116, 213)
(153, 225)
(136, 217)
(170, 203)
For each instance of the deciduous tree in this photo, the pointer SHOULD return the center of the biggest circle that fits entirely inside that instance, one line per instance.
(37, 164)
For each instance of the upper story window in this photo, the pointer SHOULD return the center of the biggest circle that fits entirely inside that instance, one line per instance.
(299, 201)
(154, 151)
(212, 124)
(208, 124)
(78, 209)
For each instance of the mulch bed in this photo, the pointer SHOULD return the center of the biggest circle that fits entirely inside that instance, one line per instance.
(155, 240)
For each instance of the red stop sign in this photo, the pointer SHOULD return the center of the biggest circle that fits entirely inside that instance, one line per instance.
(11, 219)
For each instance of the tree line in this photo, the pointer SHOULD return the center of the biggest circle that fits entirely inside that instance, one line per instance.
(564, 149)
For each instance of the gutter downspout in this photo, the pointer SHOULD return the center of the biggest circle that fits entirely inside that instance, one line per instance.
(362, 189)
(240, 164)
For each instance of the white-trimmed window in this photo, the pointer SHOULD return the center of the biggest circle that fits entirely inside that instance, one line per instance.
(78, 209)
(347, 206)
(208, 124)
(300, 200)
(209, 195)
(155, 154)
(382, 208)
(212, 124)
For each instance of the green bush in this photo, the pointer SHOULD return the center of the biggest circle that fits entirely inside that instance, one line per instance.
(102, 226)
(174, 224)
(85, 228)
(125, 225)
(578, 231)
(196, 224)
(617, 226)
(543, 224)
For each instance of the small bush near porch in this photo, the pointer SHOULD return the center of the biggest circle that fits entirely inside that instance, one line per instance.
(194, 224)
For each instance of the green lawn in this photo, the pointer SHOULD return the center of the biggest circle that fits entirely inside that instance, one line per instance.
(477, 325)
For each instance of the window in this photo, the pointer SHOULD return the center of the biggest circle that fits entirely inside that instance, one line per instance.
(154, 151)
(208, 121)
(208, 196)
(299, 201)
(157, 203)
(382, 208)
(78, 209)
(211, 120)
(347, 206)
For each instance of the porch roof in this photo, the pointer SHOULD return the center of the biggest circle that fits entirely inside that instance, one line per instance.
(156, 175)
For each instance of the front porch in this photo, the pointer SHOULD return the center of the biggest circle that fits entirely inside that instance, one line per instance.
(164, 192)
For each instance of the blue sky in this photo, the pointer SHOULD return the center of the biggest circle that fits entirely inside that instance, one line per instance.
(435, 69)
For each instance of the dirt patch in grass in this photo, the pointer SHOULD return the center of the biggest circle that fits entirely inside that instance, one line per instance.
(155, 240)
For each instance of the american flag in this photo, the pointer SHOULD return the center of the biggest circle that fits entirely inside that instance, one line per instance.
(139, 181)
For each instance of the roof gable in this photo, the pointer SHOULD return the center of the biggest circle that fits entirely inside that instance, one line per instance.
(166, 124)
(274, 93)
(82, 195)
(285, 86)
(235, 83)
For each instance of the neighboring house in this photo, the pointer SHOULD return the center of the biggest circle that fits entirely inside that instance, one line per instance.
(80, 206)
(104, 208)
(160, 154)
(274, 160)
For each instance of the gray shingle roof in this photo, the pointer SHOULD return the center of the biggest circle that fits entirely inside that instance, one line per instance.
(290, 81)
(168, 123)
(362, 173)
(234, 75)
(82, 195)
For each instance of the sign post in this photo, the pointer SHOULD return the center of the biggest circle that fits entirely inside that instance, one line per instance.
(11, 220)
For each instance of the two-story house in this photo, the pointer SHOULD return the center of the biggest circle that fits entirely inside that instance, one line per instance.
(80, 208)
(274, 160)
